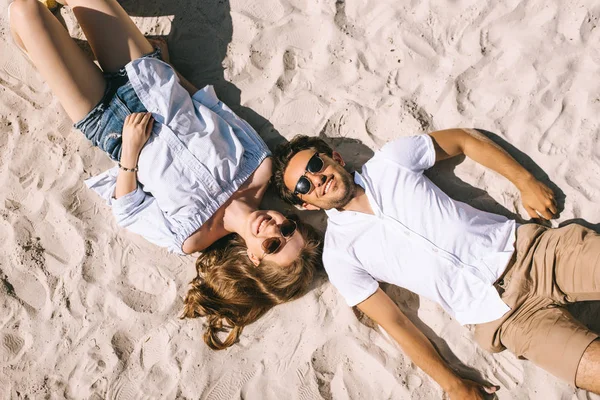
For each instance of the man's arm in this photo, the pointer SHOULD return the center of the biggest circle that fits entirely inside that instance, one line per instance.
(537, 198)
(381, 309)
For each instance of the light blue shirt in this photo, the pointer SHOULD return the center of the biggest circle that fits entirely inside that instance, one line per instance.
(198, 155)
(419, 238)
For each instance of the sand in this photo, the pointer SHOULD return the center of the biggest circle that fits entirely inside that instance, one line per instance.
(91, 311)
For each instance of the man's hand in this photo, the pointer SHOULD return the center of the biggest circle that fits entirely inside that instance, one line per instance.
(538, 199)
(469, 390)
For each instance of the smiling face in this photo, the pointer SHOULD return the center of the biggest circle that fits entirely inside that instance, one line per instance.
(265, 224)
(332, 187)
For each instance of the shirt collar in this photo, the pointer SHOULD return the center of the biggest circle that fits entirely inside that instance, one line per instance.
(340, 216)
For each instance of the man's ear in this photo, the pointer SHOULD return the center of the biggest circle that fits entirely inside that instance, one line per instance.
(253, 258)
(309, 207)
(337, 157)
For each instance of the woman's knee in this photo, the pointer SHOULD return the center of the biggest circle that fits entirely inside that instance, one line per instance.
(25, 13)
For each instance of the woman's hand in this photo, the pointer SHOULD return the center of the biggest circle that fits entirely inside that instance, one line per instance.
(136, 131)
(469, 390)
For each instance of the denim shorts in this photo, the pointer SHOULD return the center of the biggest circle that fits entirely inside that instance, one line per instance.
(103, 125)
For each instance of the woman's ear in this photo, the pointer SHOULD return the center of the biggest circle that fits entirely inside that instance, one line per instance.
(337, 157)
(253, 258)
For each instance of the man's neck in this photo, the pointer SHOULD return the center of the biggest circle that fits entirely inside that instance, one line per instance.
(359, 203)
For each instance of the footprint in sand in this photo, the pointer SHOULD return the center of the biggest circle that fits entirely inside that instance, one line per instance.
(582, 174)
(26, 286)
(503, 368)
(8, 140)
(62, 242)
(122, 345)
(348, 122)
(18, 90)
(590, 26)
(264, 11)
(304, 113)
(308, 389)
(554, 140)
(86, 378)
(231, 385)
(286, 81)
(149, 373)
(97, 264)
(143, 287)
(12, 347)
(343, 23)
(397, 117)
(343, 365)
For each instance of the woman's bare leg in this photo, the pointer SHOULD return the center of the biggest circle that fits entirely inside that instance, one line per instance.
(74, 79)
(112, 35)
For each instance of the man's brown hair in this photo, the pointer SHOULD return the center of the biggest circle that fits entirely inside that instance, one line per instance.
(283, 155)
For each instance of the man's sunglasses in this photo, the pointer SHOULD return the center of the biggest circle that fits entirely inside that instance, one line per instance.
(314, 165)
(274, 244)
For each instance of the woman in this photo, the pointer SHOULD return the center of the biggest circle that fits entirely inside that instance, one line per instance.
(189, 172)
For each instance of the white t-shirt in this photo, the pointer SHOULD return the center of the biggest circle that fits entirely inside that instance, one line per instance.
(419, 238)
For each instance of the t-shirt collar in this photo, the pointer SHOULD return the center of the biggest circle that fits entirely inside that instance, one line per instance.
(339, 216)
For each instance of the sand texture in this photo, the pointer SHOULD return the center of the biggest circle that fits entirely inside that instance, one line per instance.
(90, 311)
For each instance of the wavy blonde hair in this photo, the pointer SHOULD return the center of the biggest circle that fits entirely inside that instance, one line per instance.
(231, 292)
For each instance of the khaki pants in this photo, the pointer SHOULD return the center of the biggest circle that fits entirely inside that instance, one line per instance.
(551, 268)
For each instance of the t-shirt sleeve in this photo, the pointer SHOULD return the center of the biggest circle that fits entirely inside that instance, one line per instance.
(354, 283)
(416, 153)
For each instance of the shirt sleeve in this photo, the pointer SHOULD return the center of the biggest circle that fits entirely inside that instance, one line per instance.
(415, 153)
(354, 283)
(137, 211)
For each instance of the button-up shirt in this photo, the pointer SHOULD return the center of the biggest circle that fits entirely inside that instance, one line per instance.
(418, 238)
(198, 155)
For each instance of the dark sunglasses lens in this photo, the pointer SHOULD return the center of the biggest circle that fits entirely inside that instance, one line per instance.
(287, 228)
(315, 164)
(303, 185)
(271, 245)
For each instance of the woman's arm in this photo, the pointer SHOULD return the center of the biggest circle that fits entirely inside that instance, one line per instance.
(136, 131)
(380, 308)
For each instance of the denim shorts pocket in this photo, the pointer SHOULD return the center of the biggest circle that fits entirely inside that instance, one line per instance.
(113, 120)
(129, 99)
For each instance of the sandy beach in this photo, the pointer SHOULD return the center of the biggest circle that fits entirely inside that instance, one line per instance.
(90, 311)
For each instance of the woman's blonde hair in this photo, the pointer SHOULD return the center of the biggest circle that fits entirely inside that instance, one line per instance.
(232, 292)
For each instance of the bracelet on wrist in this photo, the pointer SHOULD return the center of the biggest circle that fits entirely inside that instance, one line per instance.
(134, 169)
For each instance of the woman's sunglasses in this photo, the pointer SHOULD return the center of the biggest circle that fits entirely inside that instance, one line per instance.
(274, 244)
(314, 165)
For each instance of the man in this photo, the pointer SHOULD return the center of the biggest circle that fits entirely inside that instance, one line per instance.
(390, 223)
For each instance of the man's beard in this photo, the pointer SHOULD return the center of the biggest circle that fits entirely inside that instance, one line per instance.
(347, 183)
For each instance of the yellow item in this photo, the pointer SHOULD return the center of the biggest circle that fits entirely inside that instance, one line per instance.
(51, 4)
